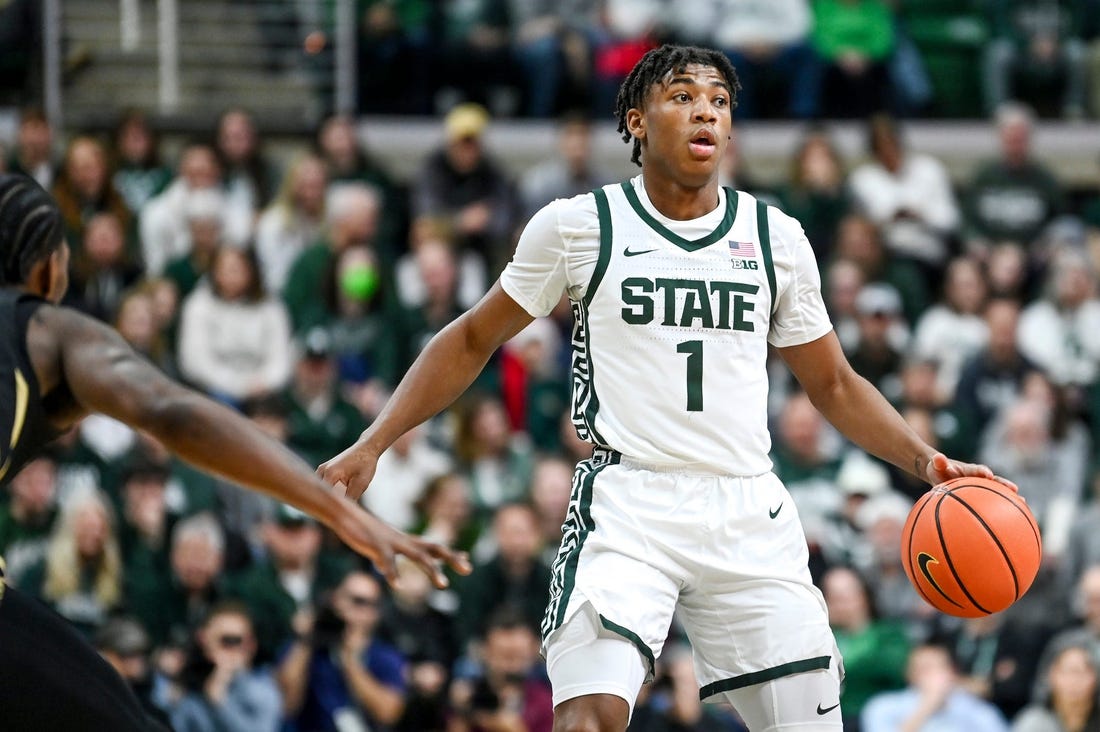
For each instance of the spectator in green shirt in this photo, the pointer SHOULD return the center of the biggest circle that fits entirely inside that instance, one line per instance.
(854, 39)
(28, 517)
(282, 590)
(874, 651)
(321, 421)
(1012, 198)
(204, 213)
(353, 212)
(170, 604)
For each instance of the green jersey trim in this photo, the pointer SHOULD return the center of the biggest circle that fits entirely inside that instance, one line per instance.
(686, 244)
(578, 525)
(768, 674)
(603, 212)
(634, 638)
(587, 374)
(766, 247)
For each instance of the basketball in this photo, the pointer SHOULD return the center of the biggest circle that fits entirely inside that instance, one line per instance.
(971, 547)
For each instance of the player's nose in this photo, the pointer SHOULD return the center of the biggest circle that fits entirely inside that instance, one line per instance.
(705, 111)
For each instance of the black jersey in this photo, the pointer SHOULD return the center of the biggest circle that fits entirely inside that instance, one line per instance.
(24, 428)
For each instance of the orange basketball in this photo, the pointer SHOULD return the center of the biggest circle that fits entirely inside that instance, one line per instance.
(971, 547)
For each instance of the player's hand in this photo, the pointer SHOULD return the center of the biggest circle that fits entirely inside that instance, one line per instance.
(351, 471)
(378, 541)
(941, 468)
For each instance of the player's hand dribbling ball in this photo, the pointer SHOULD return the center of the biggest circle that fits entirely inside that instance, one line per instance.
(971, 547)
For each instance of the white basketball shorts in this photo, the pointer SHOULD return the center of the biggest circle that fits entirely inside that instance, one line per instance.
(728, 556)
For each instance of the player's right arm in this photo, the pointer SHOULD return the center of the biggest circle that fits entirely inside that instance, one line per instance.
(531, 285)
(443, 371)
(105, 375)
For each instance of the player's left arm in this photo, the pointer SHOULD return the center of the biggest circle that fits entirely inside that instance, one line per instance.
(863, 415)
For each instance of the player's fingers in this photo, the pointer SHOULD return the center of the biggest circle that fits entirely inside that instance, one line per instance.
(385, 565)
(417, 551)
(458, 561)
(356, 486)
(1009, 484)
(983, 471)
(941, 464)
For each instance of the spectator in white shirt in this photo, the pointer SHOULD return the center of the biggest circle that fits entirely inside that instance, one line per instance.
(908, 195)
(952, 331)
(294, 221)
(406, 469)
(761, 37)
(163, 223)
(1061, 332)
(234, 340)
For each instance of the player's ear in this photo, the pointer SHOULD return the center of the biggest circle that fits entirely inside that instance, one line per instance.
(40, 277)
(635, 123)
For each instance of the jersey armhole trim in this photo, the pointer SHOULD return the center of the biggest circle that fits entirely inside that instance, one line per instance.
(603, 214)
(766, 249)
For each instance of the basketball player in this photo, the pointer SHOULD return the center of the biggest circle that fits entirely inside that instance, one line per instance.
(678, 287)
(57, 365)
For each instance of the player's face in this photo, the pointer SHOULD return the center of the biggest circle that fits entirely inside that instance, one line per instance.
(685, 125)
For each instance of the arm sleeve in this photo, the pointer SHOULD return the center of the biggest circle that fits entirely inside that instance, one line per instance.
(537, 275)
(799, 316)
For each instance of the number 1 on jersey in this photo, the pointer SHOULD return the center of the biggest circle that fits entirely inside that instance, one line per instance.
(694, 351)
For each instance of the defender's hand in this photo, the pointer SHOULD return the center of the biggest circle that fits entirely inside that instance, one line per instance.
(351, 471)
(940, 468)
(380, 542)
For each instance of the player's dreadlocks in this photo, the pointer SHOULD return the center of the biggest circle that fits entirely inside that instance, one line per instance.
(30, 227)
(653, 67)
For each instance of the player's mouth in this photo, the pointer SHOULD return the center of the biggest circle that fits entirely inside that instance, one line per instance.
(703, 143)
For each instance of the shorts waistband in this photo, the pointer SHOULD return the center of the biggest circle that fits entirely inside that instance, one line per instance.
(608, 456)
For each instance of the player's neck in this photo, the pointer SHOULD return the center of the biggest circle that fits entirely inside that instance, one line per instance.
(677, 201)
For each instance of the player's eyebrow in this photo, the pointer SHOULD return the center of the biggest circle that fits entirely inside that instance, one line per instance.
(690, 81)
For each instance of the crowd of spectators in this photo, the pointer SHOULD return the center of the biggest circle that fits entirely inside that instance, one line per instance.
(796, 58)
(535, 58)
(299, 291)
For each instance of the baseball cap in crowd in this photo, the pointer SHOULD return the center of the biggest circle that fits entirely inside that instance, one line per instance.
(317, 343)
(859, 475)
(465, 120)
(289, 516)
(889, 506)
(878, 299)
(122, 636)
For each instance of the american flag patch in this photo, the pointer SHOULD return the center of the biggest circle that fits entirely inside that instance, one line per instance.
(742, 249)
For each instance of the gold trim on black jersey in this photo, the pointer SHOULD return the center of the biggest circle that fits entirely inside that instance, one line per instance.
(22, 395)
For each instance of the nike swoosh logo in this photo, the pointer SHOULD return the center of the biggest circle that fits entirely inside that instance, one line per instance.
(772, 514)
(826, 710)
(923, 560)
(628, 253)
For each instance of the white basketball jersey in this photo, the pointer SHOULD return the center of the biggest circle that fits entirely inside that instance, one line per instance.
(671, 335)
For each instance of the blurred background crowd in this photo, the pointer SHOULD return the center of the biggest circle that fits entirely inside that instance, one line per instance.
(295, 277)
